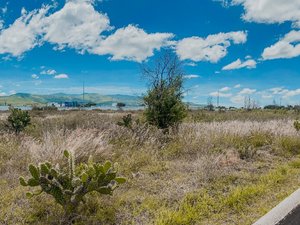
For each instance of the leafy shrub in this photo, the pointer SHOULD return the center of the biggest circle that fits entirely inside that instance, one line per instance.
(297, 125)
(68, 186)
(126, 121)
(164, 109)
(18, 120)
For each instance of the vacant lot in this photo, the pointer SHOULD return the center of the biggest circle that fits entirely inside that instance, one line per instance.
(217, 168)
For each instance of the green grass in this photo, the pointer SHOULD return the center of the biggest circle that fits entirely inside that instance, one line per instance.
(209, 204)
(186, 177)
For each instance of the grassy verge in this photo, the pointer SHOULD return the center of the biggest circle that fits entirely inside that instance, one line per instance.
(227, 203)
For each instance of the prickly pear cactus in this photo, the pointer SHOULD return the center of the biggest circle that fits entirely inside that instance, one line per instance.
(68, 186)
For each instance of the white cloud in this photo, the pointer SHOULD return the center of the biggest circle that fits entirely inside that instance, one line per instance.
(22, 35)
(1, 24)
(237, 86)
(12, 92)
(287, 47)
(238, 64)
(34, 76)
(191, 76)
(212, 48)
(225, 89)
(48, 72)
(3, 10)
(271, 11)
(247, 91)
(292, 93)
(220, 94)
(278, 90)
(132, 43)
(267, 96)
(238, 99)
(61, 76)
(77, 25)
(191, 64)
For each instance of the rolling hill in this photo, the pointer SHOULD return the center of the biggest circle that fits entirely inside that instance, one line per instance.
(25, 99)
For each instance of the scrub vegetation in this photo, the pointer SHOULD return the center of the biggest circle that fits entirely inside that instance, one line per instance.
(215, 168)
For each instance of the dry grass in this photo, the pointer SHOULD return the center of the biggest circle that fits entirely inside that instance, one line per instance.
(202, 173)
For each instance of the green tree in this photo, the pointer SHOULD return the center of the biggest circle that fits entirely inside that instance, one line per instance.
(18, 120)
(120, 105)
(163, 101)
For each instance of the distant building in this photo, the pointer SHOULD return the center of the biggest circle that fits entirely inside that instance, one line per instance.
(53, 104)
(71, 104)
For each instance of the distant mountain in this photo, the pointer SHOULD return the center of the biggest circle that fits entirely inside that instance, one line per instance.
(22, 99)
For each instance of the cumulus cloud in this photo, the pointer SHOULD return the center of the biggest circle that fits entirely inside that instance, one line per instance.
(191, 76)
(270, 11)
(238, 64)
(291, 93)
(212, 48)
(287, 47)
(237, 86)
(3, 10)
(267, 96)
(191, 64)
(34, 76)
(220, 94)
(132, 43)
(12, 92)
(22, 35)
(77, 25)
(61, 76)
(278, 90)
(247, 91)
(237, 99)
(48, 72)
(225, 89)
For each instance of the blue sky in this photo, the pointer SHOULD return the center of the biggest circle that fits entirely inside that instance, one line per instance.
(233, 49)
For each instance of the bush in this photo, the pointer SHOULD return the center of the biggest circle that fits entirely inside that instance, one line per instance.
(297, 125)
(164, 106)
(120, 105)
(18, 120)
(68, 186)
(45, 108)
(126, 121)
(290, 145)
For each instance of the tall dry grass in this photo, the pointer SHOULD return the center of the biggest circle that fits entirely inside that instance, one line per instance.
(161, 168)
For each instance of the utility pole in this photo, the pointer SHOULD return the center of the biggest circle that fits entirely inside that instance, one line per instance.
(280, 101)
(218, 98)
(83, 92)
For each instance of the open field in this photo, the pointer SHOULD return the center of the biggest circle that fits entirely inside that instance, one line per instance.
(218, 168)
